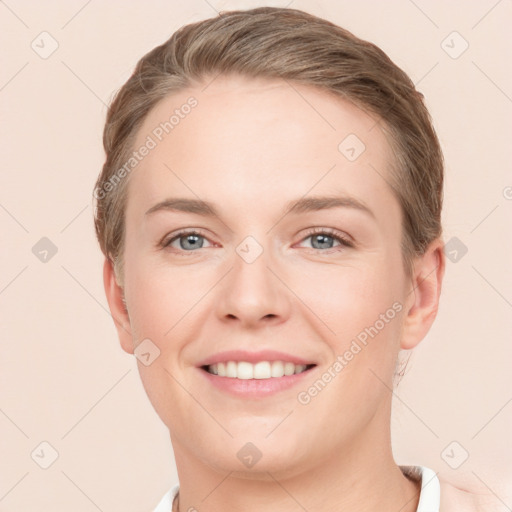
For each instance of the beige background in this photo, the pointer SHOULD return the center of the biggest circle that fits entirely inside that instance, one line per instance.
(64, 379)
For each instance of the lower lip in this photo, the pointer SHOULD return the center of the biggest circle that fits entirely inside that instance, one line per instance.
(255, 388)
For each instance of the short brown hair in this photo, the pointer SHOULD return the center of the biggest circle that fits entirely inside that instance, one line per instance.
(289, 44)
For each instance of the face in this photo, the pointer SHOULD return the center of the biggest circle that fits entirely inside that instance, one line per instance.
(273, 291)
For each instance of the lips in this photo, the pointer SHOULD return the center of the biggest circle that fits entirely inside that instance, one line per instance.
(254, 374)
(254, 388)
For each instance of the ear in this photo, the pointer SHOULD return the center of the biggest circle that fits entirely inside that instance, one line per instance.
(424, 294)
(118, 310)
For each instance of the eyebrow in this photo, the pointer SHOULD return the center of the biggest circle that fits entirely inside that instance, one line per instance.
(302, 205)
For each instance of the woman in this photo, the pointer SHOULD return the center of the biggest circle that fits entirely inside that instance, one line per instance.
(270, 213)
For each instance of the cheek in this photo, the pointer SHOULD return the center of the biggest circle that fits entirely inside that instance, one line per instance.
(349, 299)
(161, 301)
(169, 304)
(163, 307)
(362, 305)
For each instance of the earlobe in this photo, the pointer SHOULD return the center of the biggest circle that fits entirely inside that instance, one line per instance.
(423, 298)
(117, 306)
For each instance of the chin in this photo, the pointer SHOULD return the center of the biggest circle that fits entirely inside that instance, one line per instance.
(254, 456)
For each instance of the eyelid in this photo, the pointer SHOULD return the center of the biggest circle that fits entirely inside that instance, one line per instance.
(168, 239)
(344, 239)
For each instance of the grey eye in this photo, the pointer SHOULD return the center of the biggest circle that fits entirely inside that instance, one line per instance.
(324, 241)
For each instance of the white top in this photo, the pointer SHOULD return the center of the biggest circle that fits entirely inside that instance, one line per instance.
(429, 498)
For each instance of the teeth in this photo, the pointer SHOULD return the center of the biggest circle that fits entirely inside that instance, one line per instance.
(277, 369)
(262, 370)
(289, 368)
(231, 369)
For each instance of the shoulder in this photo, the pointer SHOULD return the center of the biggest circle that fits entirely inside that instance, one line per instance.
(466, 497)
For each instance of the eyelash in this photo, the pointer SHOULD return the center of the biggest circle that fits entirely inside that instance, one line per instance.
(336, 235)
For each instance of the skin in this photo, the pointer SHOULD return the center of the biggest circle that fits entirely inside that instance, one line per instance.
(249, 147)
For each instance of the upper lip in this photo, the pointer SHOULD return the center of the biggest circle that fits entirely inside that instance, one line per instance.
(253, 357)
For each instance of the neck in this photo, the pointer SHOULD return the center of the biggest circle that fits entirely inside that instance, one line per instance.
(362, 478)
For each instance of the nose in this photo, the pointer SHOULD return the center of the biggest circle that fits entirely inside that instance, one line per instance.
(253, 293)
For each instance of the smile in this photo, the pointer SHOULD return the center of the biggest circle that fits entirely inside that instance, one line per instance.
(261, 370)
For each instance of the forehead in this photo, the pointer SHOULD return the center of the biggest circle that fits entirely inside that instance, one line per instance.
(261, 107)
(243, 141)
